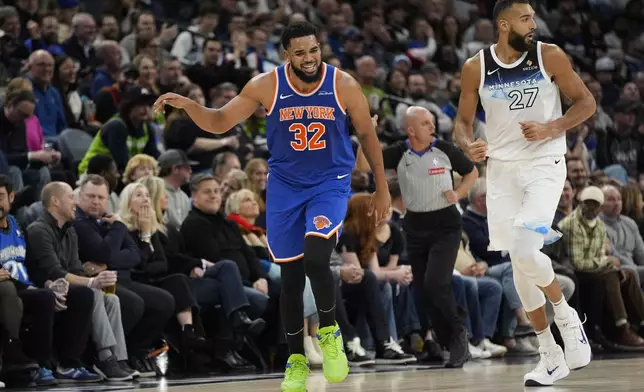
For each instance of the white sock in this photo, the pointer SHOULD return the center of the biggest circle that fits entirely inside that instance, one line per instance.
(562, 309)
(545, 338)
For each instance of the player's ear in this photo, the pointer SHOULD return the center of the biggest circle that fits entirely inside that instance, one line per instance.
(503, 25)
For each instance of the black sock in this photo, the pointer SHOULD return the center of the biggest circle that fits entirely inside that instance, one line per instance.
(317, 254)
(292, 305)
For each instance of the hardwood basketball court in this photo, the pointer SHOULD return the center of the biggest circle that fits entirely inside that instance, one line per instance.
(610, 373)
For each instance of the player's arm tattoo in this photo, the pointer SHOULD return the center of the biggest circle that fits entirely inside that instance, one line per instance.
(583, 106)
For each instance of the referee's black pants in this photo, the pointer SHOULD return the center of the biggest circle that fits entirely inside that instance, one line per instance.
(433, 239)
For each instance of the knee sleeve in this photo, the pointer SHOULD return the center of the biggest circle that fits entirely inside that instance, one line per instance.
(531, 297)
(317, 254)
(527, 257)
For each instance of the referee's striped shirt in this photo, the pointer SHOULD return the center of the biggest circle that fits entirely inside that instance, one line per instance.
(424, 175)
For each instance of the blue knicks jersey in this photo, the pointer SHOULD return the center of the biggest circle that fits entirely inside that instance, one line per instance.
(308, 134)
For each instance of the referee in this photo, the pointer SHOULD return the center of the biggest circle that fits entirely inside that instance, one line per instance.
(432, 222)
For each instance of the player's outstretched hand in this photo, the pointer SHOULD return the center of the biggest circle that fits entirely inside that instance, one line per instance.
(171, 99)
(477, 151)
(380, 204)
(534, 131)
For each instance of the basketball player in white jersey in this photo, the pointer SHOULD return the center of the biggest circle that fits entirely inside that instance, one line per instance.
(519, 81)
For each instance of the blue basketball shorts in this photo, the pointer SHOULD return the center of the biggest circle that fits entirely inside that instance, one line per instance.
(293, 213)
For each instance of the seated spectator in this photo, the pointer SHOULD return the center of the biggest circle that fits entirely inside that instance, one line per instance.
(109, 99)
(257, 171)
(358, 247)
(14, 282)
(584, 236)
(147, 73)
(52, 261)
(189, 43)
(104, 166)
(65, 80)
(144, 228)
(483, 300)
(633, 205)
(213, 283)
(564, 208)
(109, 55)
(49, 102)
(625, 239)
(201, 146)
(139, 166)
(577, 175)
(242, 208)
(79, 45)
(209, 235)
(223, 163)
(175, 169)
(127, 134)
(25, 168)
(35, 138)
(234, 181)
(104, 241)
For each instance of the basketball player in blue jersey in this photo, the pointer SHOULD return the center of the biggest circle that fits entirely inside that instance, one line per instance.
(519, 81)
(308, 104)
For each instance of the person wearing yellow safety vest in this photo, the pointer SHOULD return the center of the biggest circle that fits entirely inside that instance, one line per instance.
(128, 133)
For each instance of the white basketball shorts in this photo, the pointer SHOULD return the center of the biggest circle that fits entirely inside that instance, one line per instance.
(522, 194)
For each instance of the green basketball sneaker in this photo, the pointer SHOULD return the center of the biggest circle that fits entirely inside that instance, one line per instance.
(335, 365)
(297, 370)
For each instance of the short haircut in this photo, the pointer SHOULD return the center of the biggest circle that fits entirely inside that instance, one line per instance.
(198, 179)
(478, 188)
(94, 179)
(297, 30)
(16, 96)
(502, 5)
(5, 183)
(7, 12)
(219, 90)
(221, 158)
(208, 40)
(51, 190)
(99, 164)
(394, 188)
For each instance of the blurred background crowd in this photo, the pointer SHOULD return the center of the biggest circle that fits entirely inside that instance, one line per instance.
(136, 236)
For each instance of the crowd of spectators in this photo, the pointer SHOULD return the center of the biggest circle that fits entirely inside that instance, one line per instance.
(127, 237)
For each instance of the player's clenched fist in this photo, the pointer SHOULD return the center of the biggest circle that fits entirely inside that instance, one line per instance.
(171, 99)
(477, 151)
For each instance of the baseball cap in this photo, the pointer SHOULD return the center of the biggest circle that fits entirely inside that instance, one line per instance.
(592, 193)
(172, 158)
(401, 57)
(137, 96)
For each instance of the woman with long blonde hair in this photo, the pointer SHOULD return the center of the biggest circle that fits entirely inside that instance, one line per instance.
(632, 204)
(214, 283)
(137, 213)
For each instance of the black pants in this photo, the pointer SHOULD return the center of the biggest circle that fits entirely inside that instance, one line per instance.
(364, 299)
(145, 311)
(10, 309)
(67, 331)
(433, 240)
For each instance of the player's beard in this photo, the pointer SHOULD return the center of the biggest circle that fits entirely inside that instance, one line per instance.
(519, 42)
(306, 78)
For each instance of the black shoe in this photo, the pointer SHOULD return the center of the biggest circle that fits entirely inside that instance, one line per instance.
(190, 339)
(14, 358)
(134, 373)
(242, 323)
(459, 351)
(233, 361)
(144, 366)
(390, 353)
(432, 352)
(110, 370)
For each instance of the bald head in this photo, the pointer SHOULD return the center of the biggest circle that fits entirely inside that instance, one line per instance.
(41, 67)
(419, 124)
(53, 190)
(612, 206)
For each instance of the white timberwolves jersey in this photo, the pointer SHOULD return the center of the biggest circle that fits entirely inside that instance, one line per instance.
(513, 93)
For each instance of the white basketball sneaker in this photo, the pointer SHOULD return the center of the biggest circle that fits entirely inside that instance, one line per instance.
(551, 367)
(578, 352)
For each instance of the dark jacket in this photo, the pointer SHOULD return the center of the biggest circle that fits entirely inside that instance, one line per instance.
(52, 252)
(475, 226)
(13, 142)
(179, 262)
(153, 264)
(213, 237)
(105, 243)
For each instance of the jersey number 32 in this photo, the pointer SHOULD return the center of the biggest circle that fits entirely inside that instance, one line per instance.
(302, 141)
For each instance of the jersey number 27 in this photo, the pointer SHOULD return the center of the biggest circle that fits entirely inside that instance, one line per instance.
(518, 100)
(302, 141)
